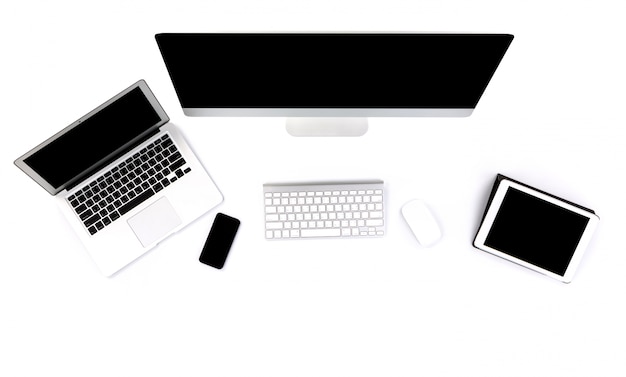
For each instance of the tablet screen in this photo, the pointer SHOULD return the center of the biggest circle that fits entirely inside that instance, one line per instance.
(536, 231)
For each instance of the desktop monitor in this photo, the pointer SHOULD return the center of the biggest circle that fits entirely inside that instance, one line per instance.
(330, 83)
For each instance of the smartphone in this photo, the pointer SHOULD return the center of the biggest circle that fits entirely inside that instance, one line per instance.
(219, 241)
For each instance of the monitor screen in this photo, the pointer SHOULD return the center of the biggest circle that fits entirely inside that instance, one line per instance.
(327, 75)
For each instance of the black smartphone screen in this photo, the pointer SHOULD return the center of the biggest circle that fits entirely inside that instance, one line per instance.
(219, 241)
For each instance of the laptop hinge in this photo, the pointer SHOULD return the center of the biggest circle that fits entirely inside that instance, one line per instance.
(79, 179)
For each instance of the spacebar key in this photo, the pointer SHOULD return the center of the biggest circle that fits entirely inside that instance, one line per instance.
(320, 232)
(137, 200)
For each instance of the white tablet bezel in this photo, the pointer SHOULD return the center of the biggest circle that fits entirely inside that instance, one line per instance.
(502, 189)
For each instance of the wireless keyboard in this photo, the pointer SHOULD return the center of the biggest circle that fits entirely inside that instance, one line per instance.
(324, 209)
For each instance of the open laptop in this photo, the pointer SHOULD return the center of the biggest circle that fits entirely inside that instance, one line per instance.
(123, 176)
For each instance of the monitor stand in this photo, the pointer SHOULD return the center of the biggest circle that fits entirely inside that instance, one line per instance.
(339, 126)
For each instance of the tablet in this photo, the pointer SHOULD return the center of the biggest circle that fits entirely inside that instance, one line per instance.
(535, 229)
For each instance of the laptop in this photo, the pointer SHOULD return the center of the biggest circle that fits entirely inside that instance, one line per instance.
(123, 176)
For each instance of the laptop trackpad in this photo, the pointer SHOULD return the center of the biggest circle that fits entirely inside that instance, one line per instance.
(154, 221)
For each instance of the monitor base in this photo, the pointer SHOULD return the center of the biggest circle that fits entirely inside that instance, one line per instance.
(339, 126)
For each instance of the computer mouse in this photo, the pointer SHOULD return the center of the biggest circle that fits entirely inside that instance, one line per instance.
(422, 222)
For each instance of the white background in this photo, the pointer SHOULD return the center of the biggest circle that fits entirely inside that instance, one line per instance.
(551, 117)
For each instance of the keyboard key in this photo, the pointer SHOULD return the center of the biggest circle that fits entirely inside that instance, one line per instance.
(333, 232)
(136, 201)
(175, 164)
(174, 157)
(92, 219)
(273, 225)
(374, 222)
(85, 215)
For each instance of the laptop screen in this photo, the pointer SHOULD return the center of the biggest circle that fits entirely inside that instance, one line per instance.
(94, 139)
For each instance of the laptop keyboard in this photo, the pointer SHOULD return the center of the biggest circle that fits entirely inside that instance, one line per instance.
(114, 193)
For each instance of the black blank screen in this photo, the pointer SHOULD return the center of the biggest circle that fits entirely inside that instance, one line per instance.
(94, 139)
(331, 70)
(536, 231)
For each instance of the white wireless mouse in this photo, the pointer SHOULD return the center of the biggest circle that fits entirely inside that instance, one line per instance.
(422, 222)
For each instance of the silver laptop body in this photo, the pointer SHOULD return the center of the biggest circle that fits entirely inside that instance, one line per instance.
(123, 176)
